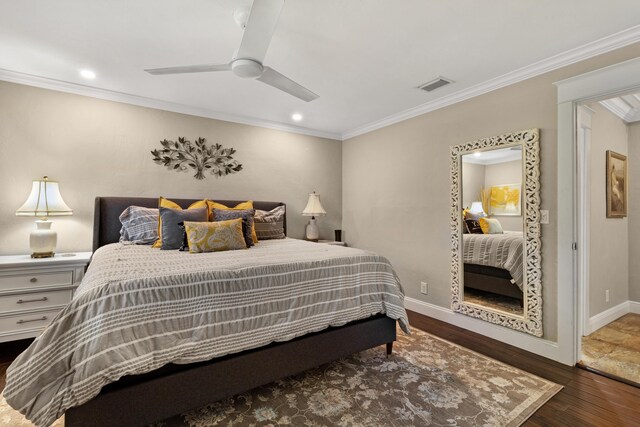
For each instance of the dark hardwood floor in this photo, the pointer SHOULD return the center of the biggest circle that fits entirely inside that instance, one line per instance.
(9, 351)
(587, 399)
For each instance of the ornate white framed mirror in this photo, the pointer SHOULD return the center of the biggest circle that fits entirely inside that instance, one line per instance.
(495, 230)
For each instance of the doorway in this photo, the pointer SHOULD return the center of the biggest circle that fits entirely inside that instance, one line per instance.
(600, 84)
(608, 185)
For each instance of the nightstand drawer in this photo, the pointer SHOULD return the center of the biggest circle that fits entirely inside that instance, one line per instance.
(30, 301)
(21, 322)
(36, 280)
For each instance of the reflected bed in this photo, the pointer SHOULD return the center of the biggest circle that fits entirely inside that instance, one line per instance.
(494, 263)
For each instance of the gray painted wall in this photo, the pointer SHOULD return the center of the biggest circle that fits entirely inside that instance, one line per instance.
(101, 148)
(609, 237)
(634, 211)
(399, 205)
(472, 182)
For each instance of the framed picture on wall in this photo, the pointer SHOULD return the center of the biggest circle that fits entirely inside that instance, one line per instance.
(505, 200)
(616, 185)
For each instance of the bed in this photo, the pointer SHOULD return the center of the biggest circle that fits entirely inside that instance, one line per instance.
(494, 263)
(74, 368)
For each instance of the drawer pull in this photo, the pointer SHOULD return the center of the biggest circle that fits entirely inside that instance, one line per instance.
(24, 301)
(33, 279)
(39, 319)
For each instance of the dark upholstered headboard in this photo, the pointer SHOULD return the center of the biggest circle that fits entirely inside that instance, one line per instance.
(106, 222)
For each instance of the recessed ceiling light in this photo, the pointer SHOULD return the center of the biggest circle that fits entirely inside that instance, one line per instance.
(477, 154)
(88, 74)
(296, 117)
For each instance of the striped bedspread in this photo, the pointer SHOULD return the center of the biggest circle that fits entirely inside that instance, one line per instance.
(496, 250)
(139, 308)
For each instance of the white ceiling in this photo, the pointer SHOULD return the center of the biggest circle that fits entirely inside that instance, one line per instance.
(493, 156)
(364, 58)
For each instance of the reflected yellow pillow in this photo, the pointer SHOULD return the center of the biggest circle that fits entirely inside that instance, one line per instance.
(166, 203)
(239, 207)
(490, 226)
(215, 236)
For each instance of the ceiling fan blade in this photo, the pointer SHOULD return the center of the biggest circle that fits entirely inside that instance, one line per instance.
(201, 68)
(277, 80)
(261, 25)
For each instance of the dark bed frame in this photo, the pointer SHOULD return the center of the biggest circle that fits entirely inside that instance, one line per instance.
(491, 279)
(173, 389)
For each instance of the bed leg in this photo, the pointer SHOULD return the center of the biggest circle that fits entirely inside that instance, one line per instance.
(389, 348)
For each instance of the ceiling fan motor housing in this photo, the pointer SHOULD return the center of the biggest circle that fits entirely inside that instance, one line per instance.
(247, 68)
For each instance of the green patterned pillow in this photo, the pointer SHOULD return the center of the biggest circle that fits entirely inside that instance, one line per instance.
(215, 236)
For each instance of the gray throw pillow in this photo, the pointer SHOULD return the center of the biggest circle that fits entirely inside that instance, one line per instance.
(245, 214)
(270, 224)
(172, 231)
(139, 225)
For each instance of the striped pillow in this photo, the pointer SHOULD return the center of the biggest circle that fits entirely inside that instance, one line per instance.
(139, 225)
(270, 224)
(245, 214)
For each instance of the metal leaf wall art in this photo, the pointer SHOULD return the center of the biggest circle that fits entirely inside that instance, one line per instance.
(183, 154)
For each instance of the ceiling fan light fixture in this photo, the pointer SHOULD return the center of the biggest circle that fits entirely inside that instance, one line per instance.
(247, 68)
(248, 58)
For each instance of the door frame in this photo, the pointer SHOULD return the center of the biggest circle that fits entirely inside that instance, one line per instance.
(596, 85)
(583, 199)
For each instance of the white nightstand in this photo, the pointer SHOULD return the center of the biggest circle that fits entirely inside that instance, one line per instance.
(33, 291)
(332, 242)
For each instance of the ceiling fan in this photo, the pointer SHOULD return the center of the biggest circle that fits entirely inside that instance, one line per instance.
(247, 62)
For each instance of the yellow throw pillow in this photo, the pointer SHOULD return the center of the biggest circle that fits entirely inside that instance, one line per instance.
(166, 203)
(215, 236)
(490, 226)
(239, 207)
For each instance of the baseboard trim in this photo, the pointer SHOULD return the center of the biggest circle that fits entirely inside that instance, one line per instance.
(539, 346)
(634, 307)
(602, 319)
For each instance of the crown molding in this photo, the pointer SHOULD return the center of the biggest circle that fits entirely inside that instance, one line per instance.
(141, 101)
(614, 106)
(589, 50)
(621, 109)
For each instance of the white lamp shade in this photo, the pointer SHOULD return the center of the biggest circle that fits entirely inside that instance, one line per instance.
(476, 208)
(44, 201)
(314, 207)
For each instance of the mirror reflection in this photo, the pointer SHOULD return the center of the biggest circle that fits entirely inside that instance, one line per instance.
(492, 226)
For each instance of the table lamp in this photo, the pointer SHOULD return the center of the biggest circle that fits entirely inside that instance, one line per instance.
(44, 201)
(476, 208)
(314, 208)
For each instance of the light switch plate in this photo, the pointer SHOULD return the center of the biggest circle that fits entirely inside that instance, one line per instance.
(544, 217)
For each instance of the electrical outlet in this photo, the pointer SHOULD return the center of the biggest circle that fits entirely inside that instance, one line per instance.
(606, 295)
(544, 217)
(423, 288)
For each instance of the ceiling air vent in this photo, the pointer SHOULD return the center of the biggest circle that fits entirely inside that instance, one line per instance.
(435, 84)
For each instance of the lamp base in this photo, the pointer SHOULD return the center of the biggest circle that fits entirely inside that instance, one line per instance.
(312, 230)
(43, 240)
(43, 255)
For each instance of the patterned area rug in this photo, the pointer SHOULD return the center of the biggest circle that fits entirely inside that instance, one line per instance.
(615, 348)
(494, 301)
(427, 381)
